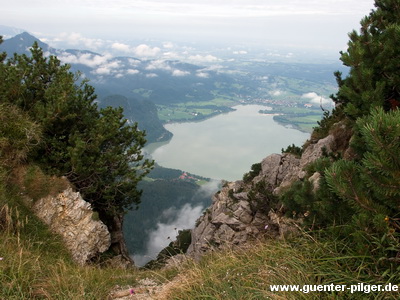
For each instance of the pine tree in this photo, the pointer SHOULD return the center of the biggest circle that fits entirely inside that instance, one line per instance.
(365, 191)
(372, 186)
(95, 149)
(373, 56)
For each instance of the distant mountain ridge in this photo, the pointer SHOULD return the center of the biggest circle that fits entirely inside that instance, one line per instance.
(8, 31)
(182, 90)
(143, 112)
(21, 43)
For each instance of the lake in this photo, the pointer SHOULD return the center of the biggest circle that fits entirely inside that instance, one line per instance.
(225, 146)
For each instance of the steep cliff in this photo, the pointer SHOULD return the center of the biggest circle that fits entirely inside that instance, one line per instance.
(250, 210)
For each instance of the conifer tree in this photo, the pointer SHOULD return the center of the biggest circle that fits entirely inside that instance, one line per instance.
(95, 149)
(367, 185)
(371, 186)
(374, 60)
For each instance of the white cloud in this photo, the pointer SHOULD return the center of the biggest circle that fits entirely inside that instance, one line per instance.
(164, 66)
(203, 58)
(172, 55)
(134, 62)
(146, 51)
(121, 47)
(183, 218)
(240, 52)
(132, 71)
(168, 45)
(114, 64)
(276, 93)
(88, 59)
(202, 74)
(179, 73)
(320, 22)
(214, 68)
(151, 75)
(102, 64)
(158, 65)
(102, 71)
(76, 39)
(221, 8)
(108, 68)
(316, 99)
(208, 189)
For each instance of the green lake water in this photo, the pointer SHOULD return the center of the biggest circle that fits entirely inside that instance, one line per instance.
(225, 146)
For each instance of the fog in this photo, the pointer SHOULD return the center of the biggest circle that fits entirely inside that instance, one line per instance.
(313, 25)
(177, 219)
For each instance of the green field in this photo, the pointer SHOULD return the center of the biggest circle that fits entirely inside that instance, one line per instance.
(193, 111)
(300, 117)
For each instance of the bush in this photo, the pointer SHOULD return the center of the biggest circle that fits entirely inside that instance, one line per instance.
(18, 135)
(255, 170)
(293, 149)
(38, 185)
(372, 185)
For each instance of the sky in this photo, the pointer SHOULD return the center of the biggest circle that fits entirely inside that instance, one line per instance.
(315, 25)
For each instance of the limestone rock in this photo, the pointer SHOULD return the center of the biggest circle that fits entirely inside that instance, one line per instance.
(70, 216)
(279, 171)
(270, 169)
(314, 179)
(234, 217)
(315, 151)
(230, 221)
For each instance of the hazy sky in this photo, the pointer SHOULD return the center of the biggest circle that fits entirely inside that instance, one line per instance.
(319, 24)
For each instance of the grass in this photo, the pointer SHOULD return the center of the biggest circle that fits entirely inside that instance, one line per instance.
(248, 273)
(34, 264)
(188, 111)
(304, 123)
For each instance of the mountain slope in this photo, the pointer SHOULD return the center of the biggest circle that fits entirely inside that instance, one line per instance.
(21, 43)
(143, 112)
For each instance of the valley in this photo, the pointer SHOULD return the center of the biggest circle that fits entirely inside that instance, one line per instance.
(183, 91)
(221, 147)
(200, 150)
(197, 118)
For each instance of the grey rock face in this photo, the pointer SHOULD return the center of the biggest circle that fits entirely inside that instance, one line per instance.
(230, 221)
(70, 216)
(315, 151)
(234, 217)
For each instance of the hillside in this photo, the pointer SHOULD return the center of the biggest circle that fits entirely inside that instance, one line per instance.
(323, 218)
(185, 91)
(141, 111)
(168, 196)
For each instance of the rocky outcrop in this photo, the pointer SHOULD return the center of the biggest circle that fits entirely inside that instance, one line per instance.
(244, 211)
(278, 171)
(233, 219)
(70, 216)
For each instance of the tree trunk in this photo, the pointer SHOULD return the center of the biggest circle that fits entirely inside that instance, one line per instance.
(118, 245)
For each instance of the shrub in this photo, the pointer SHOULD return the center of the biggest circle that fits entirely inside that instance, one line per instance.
(255, 170)
(293, 149)
(18, 135)
(372, 185)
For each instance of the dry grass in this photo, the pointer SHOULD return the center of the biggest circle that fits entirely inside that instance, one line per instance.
(248, 273)
(35, 265)
(34, 184)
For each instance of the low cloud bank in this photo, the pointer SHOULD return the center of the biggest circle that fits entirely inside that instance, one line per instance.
(175, 219)
(165, 233)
